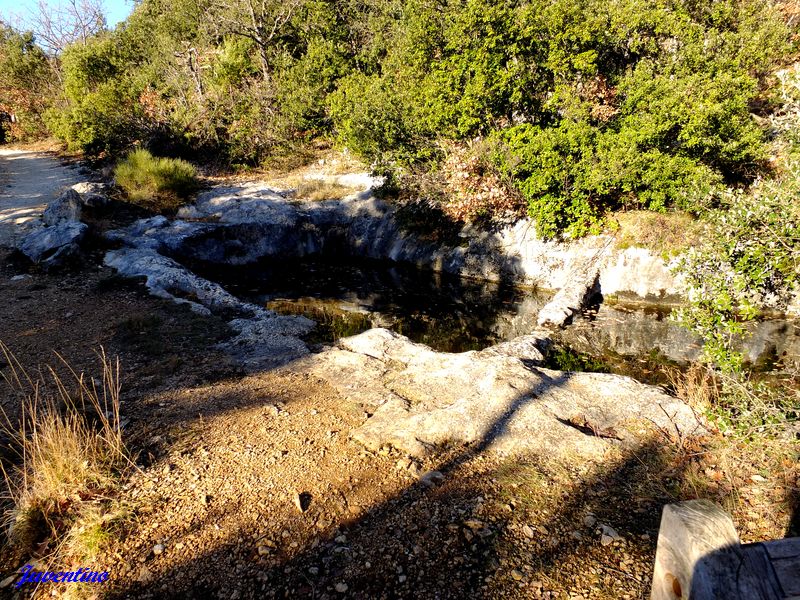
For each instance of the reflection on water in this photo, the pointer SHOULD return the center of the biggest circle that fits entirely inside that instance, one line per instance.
(443, 311)
(451, 314)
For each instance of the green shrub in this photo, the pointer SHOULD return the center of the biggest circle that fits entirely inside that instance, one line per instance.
(598, 105)
(158, 183)
(27, 84)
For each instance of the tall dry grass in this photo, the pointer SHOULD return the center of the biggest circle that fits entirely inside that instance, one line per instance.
(67, 453)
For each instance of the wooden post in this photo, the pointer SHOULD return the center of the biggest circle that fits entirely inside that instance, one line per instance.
(699, 557)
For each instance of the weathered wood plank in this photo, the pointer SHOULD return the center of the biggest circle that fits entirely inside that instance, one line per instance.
(788, 573)
(699, 557)
(788, 548)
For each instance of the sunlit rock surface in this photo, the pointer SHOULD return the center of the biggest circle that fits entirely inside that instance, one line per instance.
(500, 401)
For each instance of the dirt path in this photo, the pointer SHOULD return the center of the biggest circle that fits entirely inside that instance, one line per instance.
(28, 181)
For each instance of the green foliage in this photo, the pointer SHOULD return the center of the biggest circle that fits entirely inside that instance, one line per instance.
(26, 82)
(591, 105)
(161, 183)
(598, 104)
(102, 113)
(370, 120)
(750, 258)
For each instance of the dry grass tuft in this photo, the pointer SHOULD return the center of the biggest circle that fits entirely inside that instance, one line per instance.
(70, 457)
(698, 386)
(319, 189)
(666, 234)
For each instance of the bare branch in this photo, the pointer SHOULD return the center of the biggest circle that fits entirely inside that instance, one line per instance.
(69, 21)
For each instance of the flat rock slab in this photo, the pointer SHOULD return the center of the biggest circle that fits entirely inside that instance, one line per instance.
(28, 182)
(497, 399)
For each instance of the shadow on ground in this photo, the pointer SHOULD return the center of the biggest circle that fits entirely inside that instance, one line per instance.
(486, 529)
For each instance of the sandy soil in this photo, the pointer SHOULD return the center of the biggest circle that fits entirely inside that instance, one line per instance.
(28, 181)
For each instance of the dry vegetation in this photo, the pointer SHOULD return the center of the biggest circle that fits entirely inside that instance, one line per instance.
(666, 234)
(68, 459)
(319, 189)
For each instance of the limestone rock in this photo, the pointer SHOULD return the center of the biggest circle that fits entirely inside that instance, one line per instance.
(581, 285)
(66, 208)
(168, 279)
(500, 403)
(93, 195)
(262, 337)
(245, 223)
(52, 246)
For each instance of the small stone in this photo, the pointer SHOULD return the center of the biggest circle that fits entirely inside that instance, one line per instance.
(610, 532)
(589, 521)
(516, 575)
(313, 571)
(576, 535)
(474, 524)
(402, 579)
(341, 587)
(263, 550)
(431, 478)
(158, 549)
(144, 576)
(7, 581)
(606, 540)
(341, 539)
(527, 531)
(757, 479)
(403, 464)
(301, 501)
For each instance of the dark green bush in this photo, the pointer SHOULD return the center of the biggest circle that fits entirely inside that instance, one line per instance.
(598, 104)
(27, 84)
(592, 104)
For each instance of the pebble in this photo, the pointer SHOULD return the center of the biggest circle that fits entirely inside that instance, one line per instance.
(474, 524)
(610, 532)
(7, 581)
(527, 531)
(145, 576)
(431, 478)
(158, 549)
(516, 575)
(589, 521)
(341, 588)
(297, 499)
(263, 550)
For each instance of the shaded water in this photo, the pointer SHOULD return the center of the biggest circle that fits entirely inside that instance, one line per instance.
(451, 314)
(443, 311)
